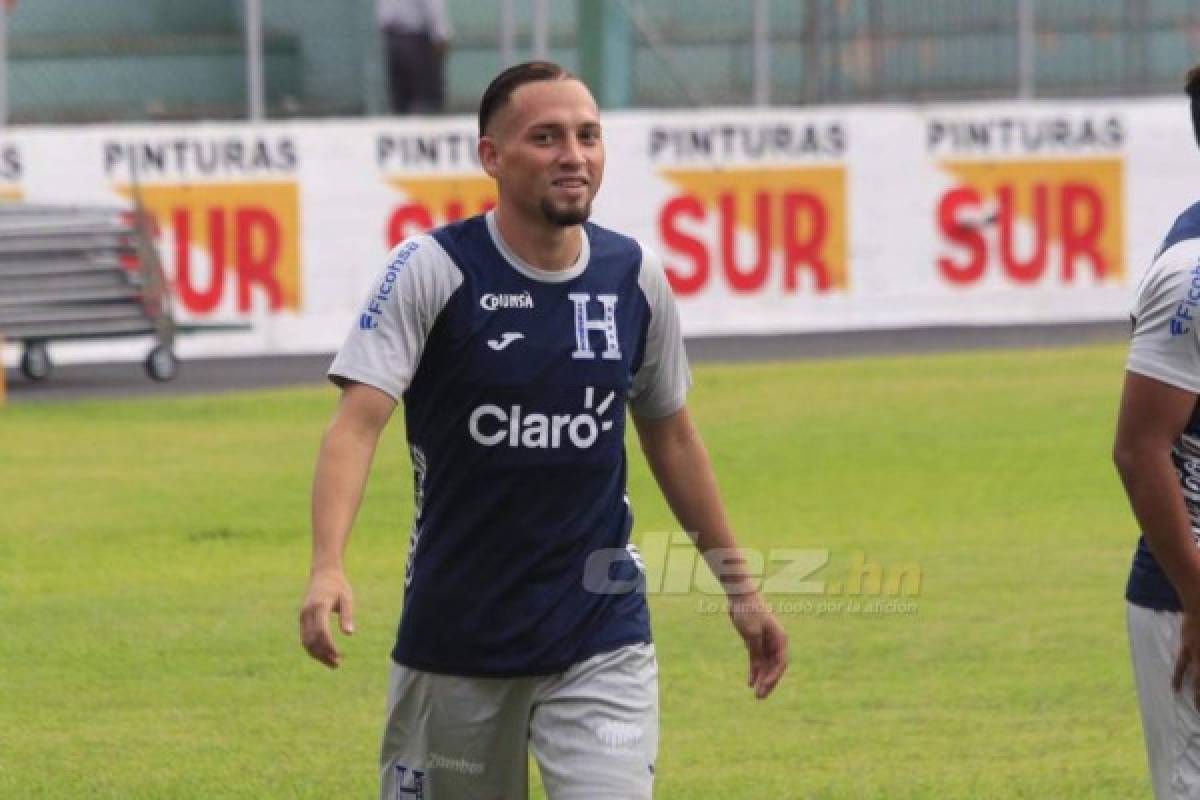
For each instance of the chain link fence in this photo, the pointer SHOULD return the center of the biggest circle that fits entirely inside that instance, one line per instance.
(855, 51)
(128, 60)
(132, 60)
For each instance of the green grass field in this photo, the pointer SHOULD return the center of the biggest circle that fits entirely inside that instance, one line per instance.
(153, 554)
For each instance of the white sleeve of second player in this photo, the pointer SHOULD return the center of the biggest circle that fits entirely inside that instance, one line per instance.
(388, 335)
(1166, 335)
(661, 384)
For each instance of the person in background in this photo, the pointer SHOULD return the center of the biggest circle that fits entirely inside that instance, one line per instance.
(1157, 453)
(416, 35)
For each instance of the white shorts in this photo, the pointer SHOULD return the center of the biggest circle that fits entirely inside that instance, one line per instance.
(1170, 719)
(593, 730)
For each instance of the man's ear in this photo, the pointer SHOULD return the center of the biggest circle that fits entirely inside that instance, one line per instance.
(1193, 90)
(489, 156)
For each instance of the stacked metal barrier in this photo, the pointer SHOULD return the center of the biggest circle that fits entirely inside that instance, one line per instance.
(81, 273)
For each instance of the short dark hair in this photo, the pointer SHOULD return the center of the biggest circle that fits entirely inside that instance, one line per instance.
(511, 79)
(1193, 80)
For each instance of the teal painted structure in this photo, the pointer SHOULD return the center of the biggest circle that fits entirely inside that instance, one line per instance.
(178, 59)
(606, 52)
(138, 60)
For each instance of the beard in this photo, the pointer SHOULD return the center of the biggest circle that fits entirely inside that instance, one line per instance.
(566, 216)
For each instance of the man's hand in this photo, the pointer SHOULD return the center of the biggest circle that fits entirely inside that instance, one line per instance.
(1189, 656)
(328, 592)
(342, 465)
(765, 641)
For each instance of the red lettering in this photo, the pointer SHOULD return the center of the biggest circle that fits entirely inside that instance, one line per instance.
(256, 265)
(195, 299)
(756, 276)
(951, 206)
(1032, 268)
(1081, 238)
(407, 220)
(684, 283)
(804, 253)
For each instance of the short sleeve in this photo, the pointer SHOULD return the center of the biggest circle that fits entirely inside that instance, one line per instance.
(1166, 317)
(388, 335)
(439, 21)
(661, 384)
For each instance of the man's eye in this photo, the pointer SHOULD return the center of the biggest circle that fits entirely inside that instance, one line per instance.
(545, 137)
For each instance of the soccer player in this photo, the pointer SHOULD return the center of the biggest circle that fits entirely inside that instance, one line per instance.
(516, 339)
(1157, 453)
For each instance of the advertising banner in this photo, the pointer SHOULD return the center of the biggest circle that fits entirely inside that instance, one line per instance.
(766, 221)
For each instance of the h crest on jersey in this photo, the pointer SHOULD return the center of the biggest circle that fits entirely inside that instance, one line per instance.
(584, 325)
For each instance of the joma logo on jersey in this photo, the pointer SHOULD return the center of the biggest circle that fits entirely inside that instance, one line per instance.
(369, 320)
(494, 302)
(1183, 314)
(493, 426)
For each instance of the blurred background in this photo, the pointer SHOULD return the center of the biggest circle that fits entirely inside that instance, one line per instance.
(132, 60)
(152, 549)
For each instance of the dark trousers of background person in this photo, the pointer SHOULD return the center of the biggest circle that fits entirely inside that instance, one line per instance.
(416, 73)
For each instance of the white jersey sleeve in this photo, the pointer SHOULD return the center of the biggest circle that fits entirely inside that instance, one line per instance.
(386, 341)
(661, 383)
(1166, 333)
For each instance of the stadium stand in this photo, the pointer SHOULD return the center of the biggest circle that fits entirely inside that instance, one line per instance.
(160, 59)
(137, 59)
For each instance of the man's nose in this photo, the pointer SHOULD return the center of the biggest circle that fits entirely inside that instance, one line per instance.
(572, 152)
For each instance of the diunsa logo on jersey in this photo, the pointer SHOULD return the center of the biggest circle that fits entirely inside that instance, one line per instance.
(494, 302)
(493, 426)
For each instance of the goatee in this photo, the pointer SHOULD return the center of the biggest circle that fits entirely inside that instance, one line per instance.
(565, 217)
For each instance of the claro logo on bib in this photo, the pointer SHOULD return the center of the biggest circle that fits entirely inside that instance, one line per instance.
(496, 426)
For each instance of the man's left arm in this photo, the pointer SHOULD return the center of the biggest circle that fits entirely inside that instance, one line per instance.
(684, 473)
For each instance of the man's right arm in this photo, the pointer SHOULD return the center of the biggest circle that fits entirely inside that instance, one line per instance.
(1153, 414)
(373, 368)
(341, 477)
